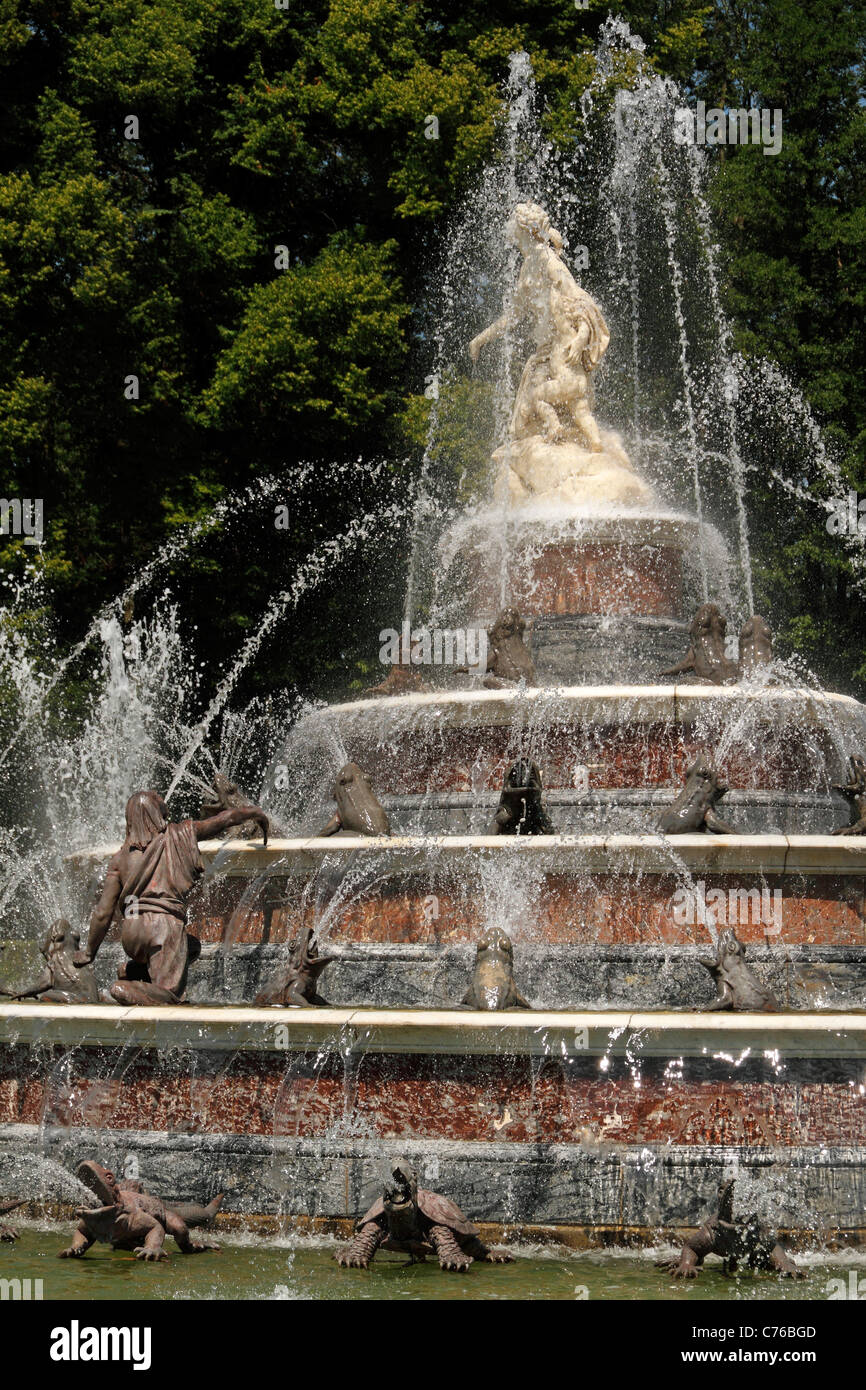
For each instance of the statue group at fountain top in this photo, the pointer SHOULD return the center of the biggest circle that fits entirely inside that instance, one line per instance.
(555, 451)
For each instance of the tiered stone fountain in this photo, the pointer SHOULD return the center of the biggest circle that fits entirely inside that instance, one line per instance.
(611, 1107)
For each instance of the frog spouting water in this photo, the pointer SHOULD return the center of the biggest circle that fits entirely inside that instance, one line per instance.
(694, 808)
(359, 812)
(755, 646)
(706, 658)
(521, 810)
(738, 986)
(493, 984)
(297, 983)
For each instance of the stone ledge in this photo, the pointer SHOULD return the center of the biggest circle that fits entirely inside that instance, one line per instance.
(601, 1188)
(525, 1032)
(622, 854)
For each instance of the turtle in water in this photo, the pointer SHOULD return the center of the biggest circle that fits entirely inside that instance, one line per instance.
(409, 1218)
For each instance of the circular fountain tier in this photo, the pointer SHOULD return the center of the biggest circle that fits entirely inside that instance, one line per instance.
(596, 921)
(605, 593)
(610, 756)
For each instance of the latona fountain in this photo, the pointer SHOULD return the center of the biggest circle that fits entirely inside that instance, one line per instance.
(589, 830)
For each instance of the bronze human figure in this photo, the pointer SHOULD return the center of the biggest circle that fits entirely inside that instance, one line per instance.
(148, 881)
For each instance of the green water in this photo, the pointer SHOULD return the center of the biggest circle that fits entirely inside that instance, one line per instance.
(250, 1268)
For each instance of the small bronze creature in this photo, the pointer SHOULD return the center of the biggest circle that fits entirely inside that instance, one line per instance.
(7, 1234)
(130, 1219)
(508, 660)
(756, 646)
(227, 796)
(409, 1218)
(61, 982)
(744, 1238)
(296, 984)
(694, 808)
(855, 790)
(358, 809)
(706, 654)
(738, 986)
(521, 809)
(193, 1214)
(493, 984)
(400, 680)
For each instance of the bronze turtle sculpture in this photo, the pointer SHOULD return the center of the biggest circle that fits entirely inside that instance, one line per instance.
(418, 1222)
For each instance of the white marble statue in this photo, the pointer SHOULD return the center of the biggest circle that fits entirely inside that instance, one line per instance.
(555, 450)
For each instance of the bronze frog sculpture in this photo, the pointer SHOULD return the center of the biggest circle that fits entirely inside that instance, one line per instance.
(744, 1238)
(855, 790)
(521, 810)
(129, 1219)
(706, 657)
(61, 982)
(755, 647)
(694, 808)
(358, 810)
(737, 984)
(508, 660)
(400, 680)
(409, 1218)
(226, 795)
(493, 984)
(296, 984)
